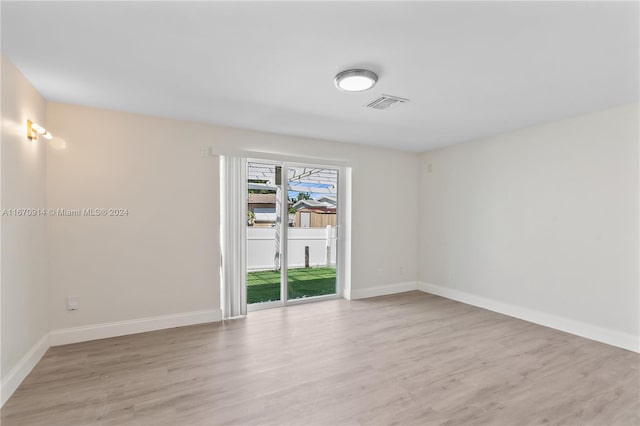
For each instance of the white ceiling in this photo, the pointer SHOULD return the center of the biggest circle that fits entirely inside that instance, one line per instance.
(471, 69)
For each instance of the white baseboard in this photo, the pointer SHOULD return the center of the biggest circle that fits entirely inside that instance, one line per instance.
(98, 331)
(122, 328)
(22, 369)
(600, 334)
(382, 290)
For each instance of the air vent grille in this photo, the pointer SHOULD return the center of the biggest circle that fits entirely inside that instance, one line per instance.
(387, 102)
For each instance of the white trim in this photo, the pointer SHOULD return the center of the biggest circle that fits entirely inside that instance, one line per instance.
(280, 157)
(579, 328)
(140, 325)
(283, 243)
(22, 369)
(382, 290)
(303, 300)
(343, 242)
(259, 306)
(343, 256)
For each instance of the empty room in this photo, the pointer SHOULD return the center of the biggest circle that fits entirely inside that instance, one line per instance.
(320, 213)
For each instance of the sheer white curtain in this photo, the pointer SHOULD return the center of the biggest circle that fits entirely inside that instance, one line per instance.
(233, 191)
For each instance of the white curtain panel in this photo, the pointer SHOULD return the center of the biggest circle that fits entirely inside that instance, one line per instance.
(234, 235)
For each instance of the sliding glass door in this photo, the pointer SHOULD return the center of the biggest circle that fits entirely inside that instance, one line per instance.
(264, 219)
(292, 233)
(312, 232)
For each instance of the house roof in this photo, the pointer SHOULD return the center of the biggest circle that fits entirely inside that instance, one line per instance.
(262, 199)
(313, 204)
(328, 199)
(319, 211)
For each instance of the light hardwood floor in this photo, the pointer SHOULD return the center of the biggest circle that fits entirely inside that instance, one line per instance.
(404, 359)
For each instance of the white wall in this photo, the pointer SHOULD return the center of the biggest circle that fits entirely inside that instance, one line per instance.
(160, 259)
(545, 218)
(24, 289)
(163, 258)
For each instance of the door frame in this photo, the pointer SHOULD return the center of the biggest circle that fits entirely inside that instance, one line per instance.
(284, 235)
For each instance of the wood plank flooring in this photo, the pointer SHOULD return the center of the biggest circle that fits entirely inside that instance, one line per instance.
(408, 359)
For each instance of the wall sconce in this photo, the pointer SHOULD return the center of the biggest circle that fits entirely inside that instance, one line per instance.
(33, 130)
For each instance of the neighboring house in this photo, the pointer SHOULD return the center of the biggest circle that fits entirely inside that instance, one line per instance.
(315, 213)
(328, 199)
(314, 204)
(263, 207)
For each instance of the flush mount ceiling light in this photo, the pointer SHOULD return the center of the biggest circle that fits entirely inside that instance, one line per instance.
(356, 80)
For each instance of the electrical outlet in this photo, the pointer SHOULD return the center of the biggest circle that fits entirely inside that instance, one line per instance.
(73, 303)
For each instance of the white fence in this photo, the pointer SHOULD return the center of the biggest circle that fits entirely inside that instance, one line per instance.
(261, 247)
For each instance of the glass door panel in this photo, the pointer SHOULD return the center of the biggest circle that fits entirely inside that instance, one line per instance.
(311, 231)
(264, 201)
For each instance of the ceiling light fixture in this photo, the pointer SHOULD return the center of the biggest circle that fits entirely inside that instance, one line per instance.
(356, 80)
(33, 130)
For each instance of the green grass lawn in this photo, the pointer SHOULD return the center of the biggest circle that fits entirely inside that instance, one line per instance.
(264, 286)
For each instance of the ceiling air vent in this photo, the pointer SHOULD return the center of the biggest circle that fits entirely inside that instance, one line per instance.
(387, 102)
